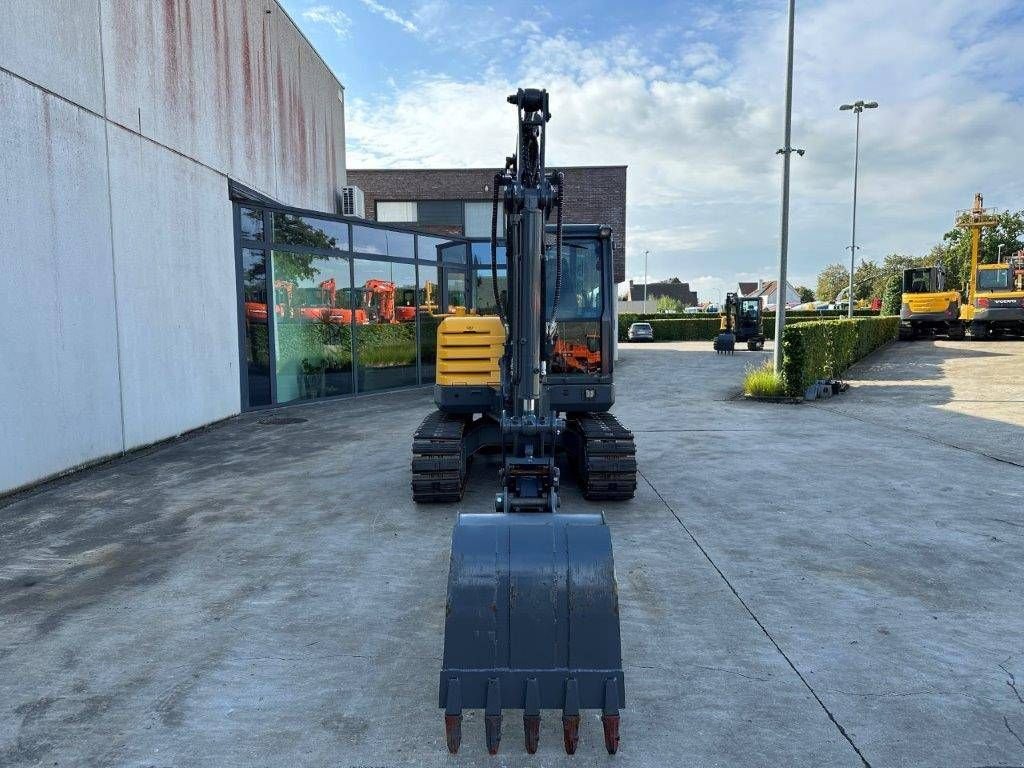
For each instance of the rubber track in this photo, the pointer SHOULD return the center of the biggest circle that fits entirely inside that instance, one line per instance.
(608, 464)
(438, 460)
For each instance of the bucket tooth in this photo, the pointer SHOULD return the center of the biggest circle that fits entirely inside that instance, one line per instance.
(571, 733)
(531, 727)
(610, 715)
(453, 732)
(611, 733)
(492, 731)
(453, 715)
(492, 716)
(571, 717)
(531, 715)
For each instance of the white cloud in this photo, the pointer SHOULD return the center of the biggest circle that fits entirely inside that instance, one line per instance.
(390, 14)
(699, 135)
(333, 18)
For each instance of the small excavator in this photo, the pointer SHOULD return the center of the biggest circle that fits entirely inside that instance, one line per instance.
(927, 307)
(741, 321)
(532, 615)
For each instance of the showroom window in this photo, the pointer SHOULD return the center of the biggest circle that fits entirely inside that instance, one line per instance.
(332, 306)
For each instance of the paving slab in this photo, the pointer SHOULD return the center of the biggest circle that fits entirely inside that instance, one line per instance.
(799, 585)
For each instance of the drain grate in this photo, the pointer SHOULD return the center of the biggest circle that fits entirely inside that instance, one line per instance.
(275, 421)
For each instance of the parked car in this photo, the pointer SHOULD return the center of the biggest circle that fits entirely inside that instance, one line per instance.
(640, 332)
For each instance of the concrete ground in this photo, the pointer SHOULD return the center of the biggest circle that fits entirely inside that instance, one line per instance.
(834, 583)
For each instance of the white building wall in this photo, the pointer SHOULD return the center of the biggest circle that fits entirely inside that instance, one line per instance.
(122, 123)
(59, 395)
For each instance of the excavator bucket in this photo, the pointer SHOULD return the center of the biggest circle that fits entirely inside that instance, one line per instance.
(532, 623)
(725, 343)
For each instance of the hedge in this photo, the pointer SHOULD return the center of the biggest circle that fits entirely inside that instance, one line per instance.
(692, 332)
(825, 348)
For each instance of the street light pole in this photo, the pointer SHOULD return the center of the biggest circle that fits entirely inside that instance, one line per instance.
(786, 151)
(857, 107)
(645, 281)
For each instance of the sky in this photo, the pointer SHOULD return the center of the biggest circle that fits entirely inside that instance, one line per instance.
(690, 95)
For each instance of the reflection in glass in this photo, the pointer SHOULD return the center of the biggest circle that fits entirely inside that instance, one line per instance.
(483, 291)
(313, 313)
(578, 348)
(427, 247)
(482, 254)
(257, 339)
(369, 240)
(386, 340)
(456, 290)
(251, 223)
(454, 253)
(306, 230)
(430, 279)
(580, 296)
(401, 245)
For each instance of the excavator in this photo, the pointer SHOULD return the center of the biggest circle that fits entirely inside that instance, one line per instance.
(532, 615)
(995, 292)
(927, 307)
(379, 303)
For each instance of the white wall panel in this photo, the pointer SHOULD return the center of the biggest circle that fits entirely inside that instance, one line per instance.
(176, 290)
(55, 43)
(58, 350)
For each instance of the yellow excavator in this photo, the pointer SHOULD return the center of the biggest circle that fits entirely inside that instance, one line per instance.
(995, 293)
(532, 613)
(927, 307)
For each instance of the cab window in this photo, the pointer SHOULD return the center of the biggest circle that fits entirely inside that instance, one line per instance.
(993, 279)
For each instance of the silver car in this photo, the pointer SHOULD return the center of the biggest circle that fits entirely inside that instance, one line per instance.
(640, 332)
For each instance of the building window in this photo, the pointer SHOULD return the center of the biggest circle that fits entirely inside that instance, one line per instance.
(257, 332)
(386, 332)
(444, 214)
(331, 307)
(396, 212)
(478, 219)
(314, 233)
(313, 315)
(251, 222)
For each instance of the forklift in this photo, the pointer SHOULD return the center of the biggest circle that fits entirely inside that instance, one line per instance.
(741, 321)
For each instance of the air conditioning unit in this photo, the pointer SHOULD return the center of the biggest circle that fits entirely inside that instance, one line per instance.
(352, 202)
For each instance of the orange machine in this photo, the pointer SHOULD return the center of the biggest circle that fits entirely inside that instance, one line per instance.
(379, 303)
(578, 358)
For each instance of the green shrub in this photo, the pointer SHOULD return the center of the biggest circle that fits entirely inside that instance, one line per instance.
(824, 349)
(763, 381)
(767, 321)
(893, 296)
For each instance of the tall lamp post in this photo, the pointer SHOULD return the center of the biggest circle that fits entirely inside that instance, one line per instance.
(645, 281)
(857, 107)
(786, 151)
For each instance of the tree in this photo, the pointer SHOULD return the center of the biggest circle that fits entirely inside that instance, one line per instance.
(806, 294)
(831, 280)
(668, 306)
(893, 295)
(868, 280)
(954, 252)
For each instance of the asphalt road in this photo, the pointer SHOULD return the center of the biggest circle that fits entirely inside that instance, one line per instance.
(834, 583)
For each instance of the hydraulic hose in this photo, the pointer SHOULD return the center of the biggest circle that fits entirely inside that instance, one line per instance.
(494, 249)
(560, 177)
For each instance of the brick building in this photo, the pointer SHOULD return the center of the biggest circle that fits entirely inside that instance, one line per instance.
(457, 201)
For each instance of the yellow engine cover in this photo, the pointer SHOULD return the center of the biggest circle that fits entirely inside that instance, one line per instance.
(469, 350)
(930, 303)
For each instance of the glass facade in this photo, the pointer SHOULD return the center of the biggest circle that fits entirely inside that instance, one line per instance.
(331, 307)
(314, 310)
(386, 335)
(256, 351)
